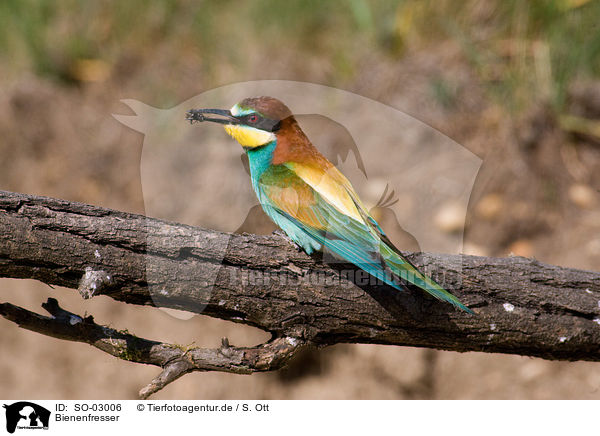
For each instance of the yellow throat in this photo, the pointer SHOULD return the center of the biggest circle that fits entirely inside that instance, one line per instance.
(249, 137)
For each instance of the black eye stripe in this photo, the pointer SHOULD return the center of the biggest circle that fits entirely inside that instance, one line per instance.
(261, 123)
(251, 118)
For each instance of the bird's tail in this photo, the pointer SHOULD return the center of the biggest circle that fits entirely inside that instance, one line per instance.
(405, 270)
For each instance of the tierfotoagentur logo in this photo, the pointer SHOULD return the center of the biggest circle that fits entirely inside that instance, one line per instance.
(25, 415)
(189, 173)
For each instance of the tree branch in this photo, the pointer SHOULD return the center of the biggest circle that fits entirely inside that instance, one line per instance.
(523, 306)
(174, 359)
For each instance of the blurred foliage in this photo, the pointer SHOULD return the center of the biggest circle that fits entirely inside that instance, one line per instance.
(522, 51)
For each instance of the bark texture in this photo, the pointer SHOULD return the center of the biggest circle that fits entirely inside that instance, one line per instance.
(522, 306)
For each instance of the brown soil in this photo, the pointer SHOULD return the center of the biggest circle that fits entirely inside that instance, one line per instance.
(537, 194)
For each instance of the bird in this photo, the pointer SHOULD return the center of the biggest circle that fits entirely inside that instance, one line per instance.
(309, 198)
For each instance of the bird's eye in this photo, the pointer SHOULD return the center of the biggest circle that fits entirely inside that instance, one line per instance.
(253, 118)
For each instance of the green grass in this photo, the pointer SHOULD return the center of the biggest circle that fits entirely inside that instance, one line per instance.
(528, 51)
(522, 51)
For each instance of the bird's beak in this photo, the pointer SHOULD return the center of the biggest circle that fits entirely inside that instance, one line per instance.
(197, 115)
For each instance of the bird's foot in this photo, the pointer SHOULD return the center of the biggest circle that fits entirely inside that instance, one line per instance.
(284, 235)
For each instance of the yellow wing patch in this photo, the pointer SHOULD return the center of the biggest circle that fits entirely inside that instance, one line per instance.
(332, 185)
(249, 137)
(297, 202)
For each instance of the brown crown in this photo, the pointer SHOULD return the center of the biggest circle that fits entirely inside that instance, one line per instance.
(268, 106)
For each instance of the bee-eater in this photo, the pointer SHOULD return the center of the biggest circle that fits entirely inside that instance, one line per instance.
(308, 197)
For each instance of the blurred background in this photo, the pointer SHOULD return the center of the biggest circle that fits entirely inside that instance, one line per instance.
(517, 83)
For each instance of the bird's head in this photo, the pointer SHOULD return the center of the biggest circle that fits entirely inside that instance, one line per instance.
(253, 122)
